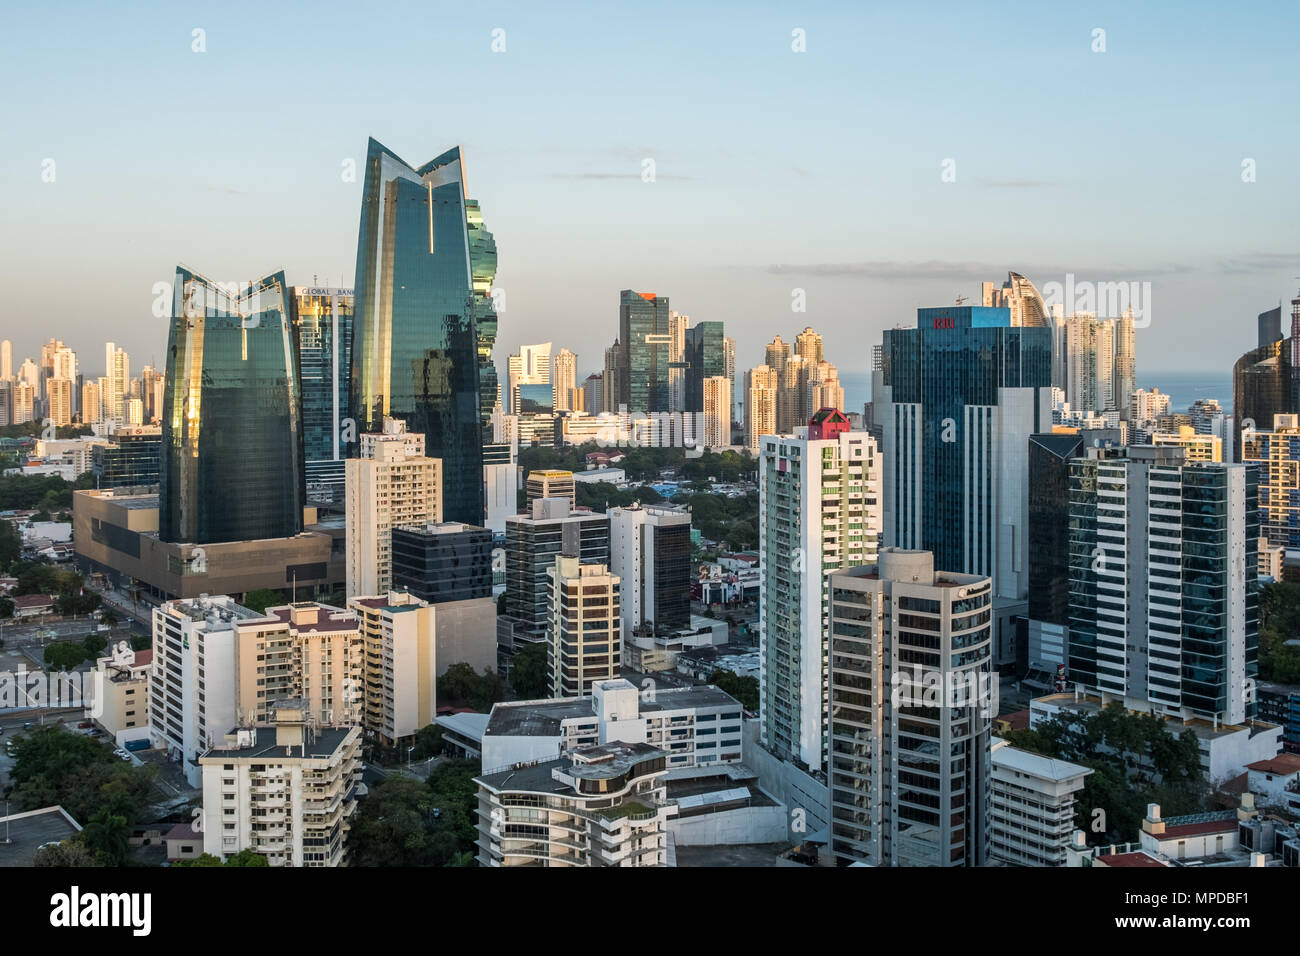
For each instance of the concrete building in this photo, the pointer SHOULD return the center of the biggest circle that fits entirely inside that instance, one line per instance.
(913, 693)
(761, 389)
(819, 511)
(650, 551)
(1277, 454)
(443, 561)
(715, 429)
(1033, 806)
(501, 484)
(287, 791)
(552, 483)
(123, 693)
(603, 805)
(694, 726)
(583, 630)
(1198, 447)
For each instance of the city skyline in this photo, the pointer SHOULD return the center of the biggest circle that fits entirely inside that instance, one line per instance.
(1115, 191)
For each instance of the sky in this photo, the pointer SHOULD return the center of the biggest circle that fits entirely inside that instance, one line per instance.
(908, 152)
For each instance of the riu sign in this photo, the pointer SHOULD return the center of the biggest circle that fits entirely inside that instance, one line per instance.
(943, 323)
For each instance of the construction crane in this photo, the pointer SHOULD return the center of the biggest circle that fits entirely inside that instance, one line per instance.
(962, 298)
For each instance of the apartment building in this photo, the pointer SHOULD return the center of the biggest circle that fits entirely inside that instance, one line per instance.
(1033, 806)
(583, 630)
(393, 485)
(287, 791)
(603, 805)
(1198, 447)
(123, 693)
(551, 483)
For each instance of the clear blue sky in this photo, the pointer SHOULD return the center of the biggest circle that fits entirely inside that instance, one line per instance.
(775, 170)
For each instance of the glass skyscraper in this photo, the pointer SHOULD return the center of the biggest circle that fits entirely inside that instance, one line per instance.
(231, 467)
(424, 319)
(646, 351)
(705, 358)
(322, 328)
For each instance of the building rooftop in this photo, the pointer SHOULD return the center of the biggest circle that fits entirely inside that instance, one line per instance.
(29, 831)
(599, 762)
(1047, 768)
(1282, 764)
(544, 718)
(319, 745)
(1138, 859)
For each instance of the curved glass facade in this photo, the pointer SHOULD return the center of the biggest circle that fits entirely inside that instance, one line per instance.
(231, 467)
(424, 320)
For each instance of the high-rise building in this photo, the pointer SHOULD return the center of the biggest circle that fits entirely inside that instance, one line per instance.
(1276, 453)
(715, 430)
(957, 399)
(808, 346)
(1197, 446)
(531, 365)
(117, 365)
(650, 552)
(1048, 488)
(482, 273)
(6, 360)
(564, 380)
(677, 363)
(533, 541)
(443, 562)
(1164, 606)
(593, 391)
(285, 791)
(819, 511)
(394, 485)
(29, 373)
(322, 328)
(151, 387)
(614, 379)
(421, 296)
(501, 482)
(792, 403)
(1028, 310)
(645, 352)
(7, 387)
(705, 358)
(134, 412)
(59, 397)
(90, 404)
(551, 483)
(130, 458)
(761, 390)
(24, 402)
(729, 370)
(583, 626)
(232, 467)
(1145, 407)
(913, 694)
(1125, 374)
(1262, 387)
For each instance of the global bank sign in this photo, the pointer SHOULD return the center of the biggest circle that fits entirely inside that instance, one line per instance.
(943, 322)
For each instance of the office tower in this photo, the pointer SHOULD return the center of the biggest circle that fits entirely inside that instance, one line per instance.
(533, 541)
(1163, 583)
(792, 403)
(1032, 819)
(564, 380)
(1048, 488)
(650, 553)
(1089, 361)
(322, 329)
(1125, 364)
(1270, 326)
(551, 483)
(645, 354)
(774, 356)
(130, 458)
(705, 358)
(117, 369)
(193, 693)
(715, 431)
(24, 402)
(232, 441)
(600, 805)
(483, 272)
(419, 300)
(29, 373)
(6, 360)
(614, 379)
(1276, 453)
(957, 399)
(1197, 447)
(913, 694)
(761, 393)
(443, 562)
(134, 411)
(59, 398)
(593, 391)
(583, 626)
(1028, 310)
(819, 511)
(677, 362)
(286, 791)
(1262, 387)
(1105, 365)
(531, 365)
(393, 485)
(501, 484)
(6, 402)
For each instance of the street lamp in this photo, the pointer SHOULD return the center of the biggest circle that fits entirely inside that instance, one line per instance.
(408, 757)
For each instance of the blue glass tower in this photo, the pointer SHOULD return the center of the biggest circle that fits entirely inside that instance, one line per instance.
(231, 467)
(424, 317)
(322, 328)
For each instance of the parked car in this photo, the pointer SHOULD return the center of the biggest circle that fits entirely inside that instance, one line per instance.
(85, 723)
(125, 756)
(119, 752)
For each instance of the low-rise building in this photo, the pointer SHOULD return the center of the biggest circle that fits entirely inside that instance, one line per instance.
(1276, 782)
(286, 791)
(603, 805)
(1033, 806)
(123, 693)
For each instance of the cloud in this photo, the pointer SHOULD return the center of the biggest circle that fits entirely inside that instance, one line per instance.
(936, 269)
(1252, 262)
(1016, 183)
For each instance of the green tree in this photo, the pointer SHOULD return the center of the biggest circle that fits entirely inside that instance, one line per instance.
(744, 689)
(529, 673)
(53, 766)
(392, 825)
(94, 645)
(262, 598)
(6, 604)
(64, 655)
(69, 853)
(460, 685)
(428, 742)
(11, 544)
(108, 836)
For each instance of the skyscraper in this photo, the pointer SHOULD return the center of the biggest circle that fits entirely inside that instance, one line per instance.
(421, 291)
(564, 380)
(957, 399)
(531, 365)
(1125, 374)
(677, 326)
(819, 511)
(912, 701)
(583, 627)
(1277, 454)
(646, 351)
(1164, 587)
(650, 552)
(1262, 387)
(6, 360)
(231, 466)
(1049, 546)
(715, 431)
(760, 405)
(117, 365)
(705, 358)
(322, 327)
(1028, 310)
